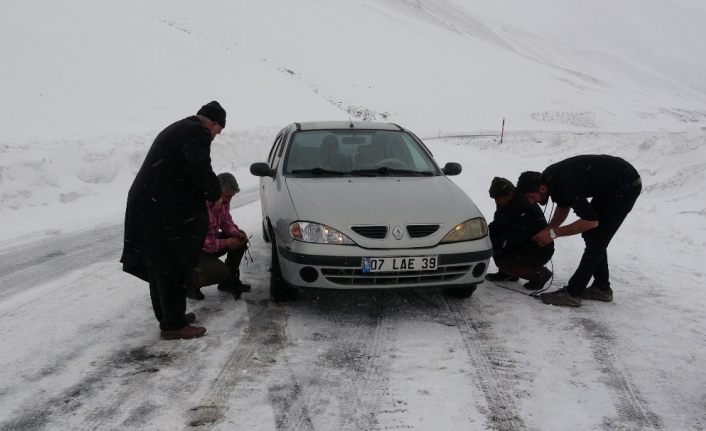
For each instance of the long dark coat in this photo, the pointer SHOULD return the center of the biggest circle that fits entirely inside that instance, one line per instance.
(166, 218)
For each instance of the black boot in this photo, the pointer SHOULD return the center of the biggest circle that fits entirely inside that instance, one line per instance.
(194, 293)
(539, 282)
(230, 287)
(243, 287)
(500, 276)
(234, 286)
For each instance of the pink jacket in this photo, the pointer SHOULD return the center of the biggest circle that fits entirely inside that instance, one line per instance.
(219, 221)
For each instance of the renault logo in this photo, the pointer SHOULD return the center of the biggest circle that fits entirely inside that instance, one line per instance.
(397, 232)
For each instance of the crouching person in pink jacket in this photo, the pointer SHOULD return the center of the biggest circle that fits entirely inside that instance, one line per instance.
(223, 238)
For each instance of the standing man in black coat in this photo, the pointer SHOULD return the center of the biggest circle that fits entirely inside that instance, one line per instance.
(614, 185)
(166, 217)
(514, 224)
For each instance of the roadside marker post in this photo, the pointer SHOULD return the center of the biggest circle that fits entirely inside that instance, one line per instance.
(502, 131)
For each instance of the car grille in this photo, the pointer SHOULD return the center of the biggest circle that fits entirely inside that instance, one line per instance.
(421, 230)
(356, 276)
(374, 232)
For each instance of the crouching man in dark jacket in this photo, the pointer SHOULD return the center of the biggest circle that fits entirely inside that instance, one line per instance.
(614, 185)
(166, 218)
(514, 224)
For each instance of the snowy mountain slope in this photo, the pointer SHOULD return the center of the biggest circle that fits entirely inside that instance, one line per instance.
(426, 64)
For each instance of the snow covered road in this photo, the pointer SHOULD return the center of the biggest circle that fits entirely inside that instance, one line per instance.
(333, 360)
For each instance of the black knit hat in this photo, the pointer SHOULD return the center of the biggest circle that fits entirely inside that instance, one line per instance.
(529, 182)
(500, 187)
(214, 111)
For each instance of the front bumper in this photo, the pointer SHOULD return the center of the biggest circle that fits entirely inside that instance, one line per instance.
(457, 267)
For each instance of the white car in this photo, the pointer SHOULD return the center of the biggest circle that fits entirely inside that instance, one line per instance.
(361, 205)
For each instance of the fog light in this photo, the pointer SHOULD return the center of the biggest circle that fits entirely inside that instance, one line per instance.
(308, 274)
(478, 270)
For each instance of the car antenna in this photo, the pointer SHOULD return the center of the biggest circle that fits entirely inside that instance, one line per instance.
(351, 121)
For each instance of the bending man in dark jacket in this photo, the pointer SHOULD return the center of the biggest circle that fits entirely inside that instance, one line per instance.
(514, 224)
(166, 218)
(614, 185)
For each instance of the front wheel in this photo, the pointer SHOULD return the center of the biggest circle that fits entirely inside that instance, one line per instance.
(280, 290)
(460, 291)
(265, 234)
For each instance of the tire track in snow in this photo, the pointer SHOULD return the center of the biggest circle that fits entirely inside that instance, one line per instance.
(55, 399)
(131, 368)
(633, 411)
(496, 372)
(119, 384)
(27, 266)
(265, 339)
(348, 372)
(358, 347)
(141, 370)
(343, 363)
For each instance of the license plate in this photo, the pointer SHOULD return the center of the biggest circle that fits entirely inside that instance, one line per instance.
(396, 264)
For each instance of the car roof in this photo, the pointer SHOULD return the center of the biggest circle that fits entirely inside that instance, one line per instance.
(318, 125)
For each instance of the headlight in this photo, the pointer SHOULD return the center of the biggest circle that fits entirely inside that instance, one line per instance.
(467, 231)
(317, 233)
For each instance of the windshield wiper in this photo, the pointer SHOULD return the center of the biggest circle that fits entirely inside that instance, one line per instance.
(317, 171)
(365, 172)
(384, 170)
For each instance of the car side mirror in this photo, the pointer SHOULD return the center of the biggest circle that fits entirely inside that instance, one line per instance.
(451, 168)
(262, 170)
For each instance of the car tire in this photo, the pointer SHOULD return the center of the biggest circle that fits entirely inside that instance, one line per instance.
(460, 292)
(265, 236)
(280, 290)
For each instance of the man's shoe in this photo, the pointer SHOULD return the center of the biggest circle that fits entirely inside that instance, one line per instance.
(231, 288)
(194, 293)
(597, 294)
(234, 286)
(185, 333)
(500, 276)
(242, 287)
(190, 318)
(228, 287)
(540, 282)
(560, 297)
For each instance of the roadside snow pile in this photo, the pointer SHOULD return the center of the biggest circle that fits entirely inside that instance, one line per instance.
(52, 186)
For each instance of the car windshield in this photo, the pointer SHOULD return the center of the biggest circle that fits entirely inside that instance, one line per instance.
(357, 153)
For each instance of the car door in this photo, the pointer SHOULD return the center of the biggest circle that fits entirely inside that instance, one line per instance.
(267, 184)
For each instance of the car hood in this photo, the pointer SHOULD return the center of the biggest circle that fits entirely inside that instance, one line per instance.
(391, 201)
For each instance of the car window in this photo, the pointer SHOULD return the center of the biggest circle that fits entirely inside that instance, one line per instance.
(274, 150)
(357, 152)
(285, 136)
